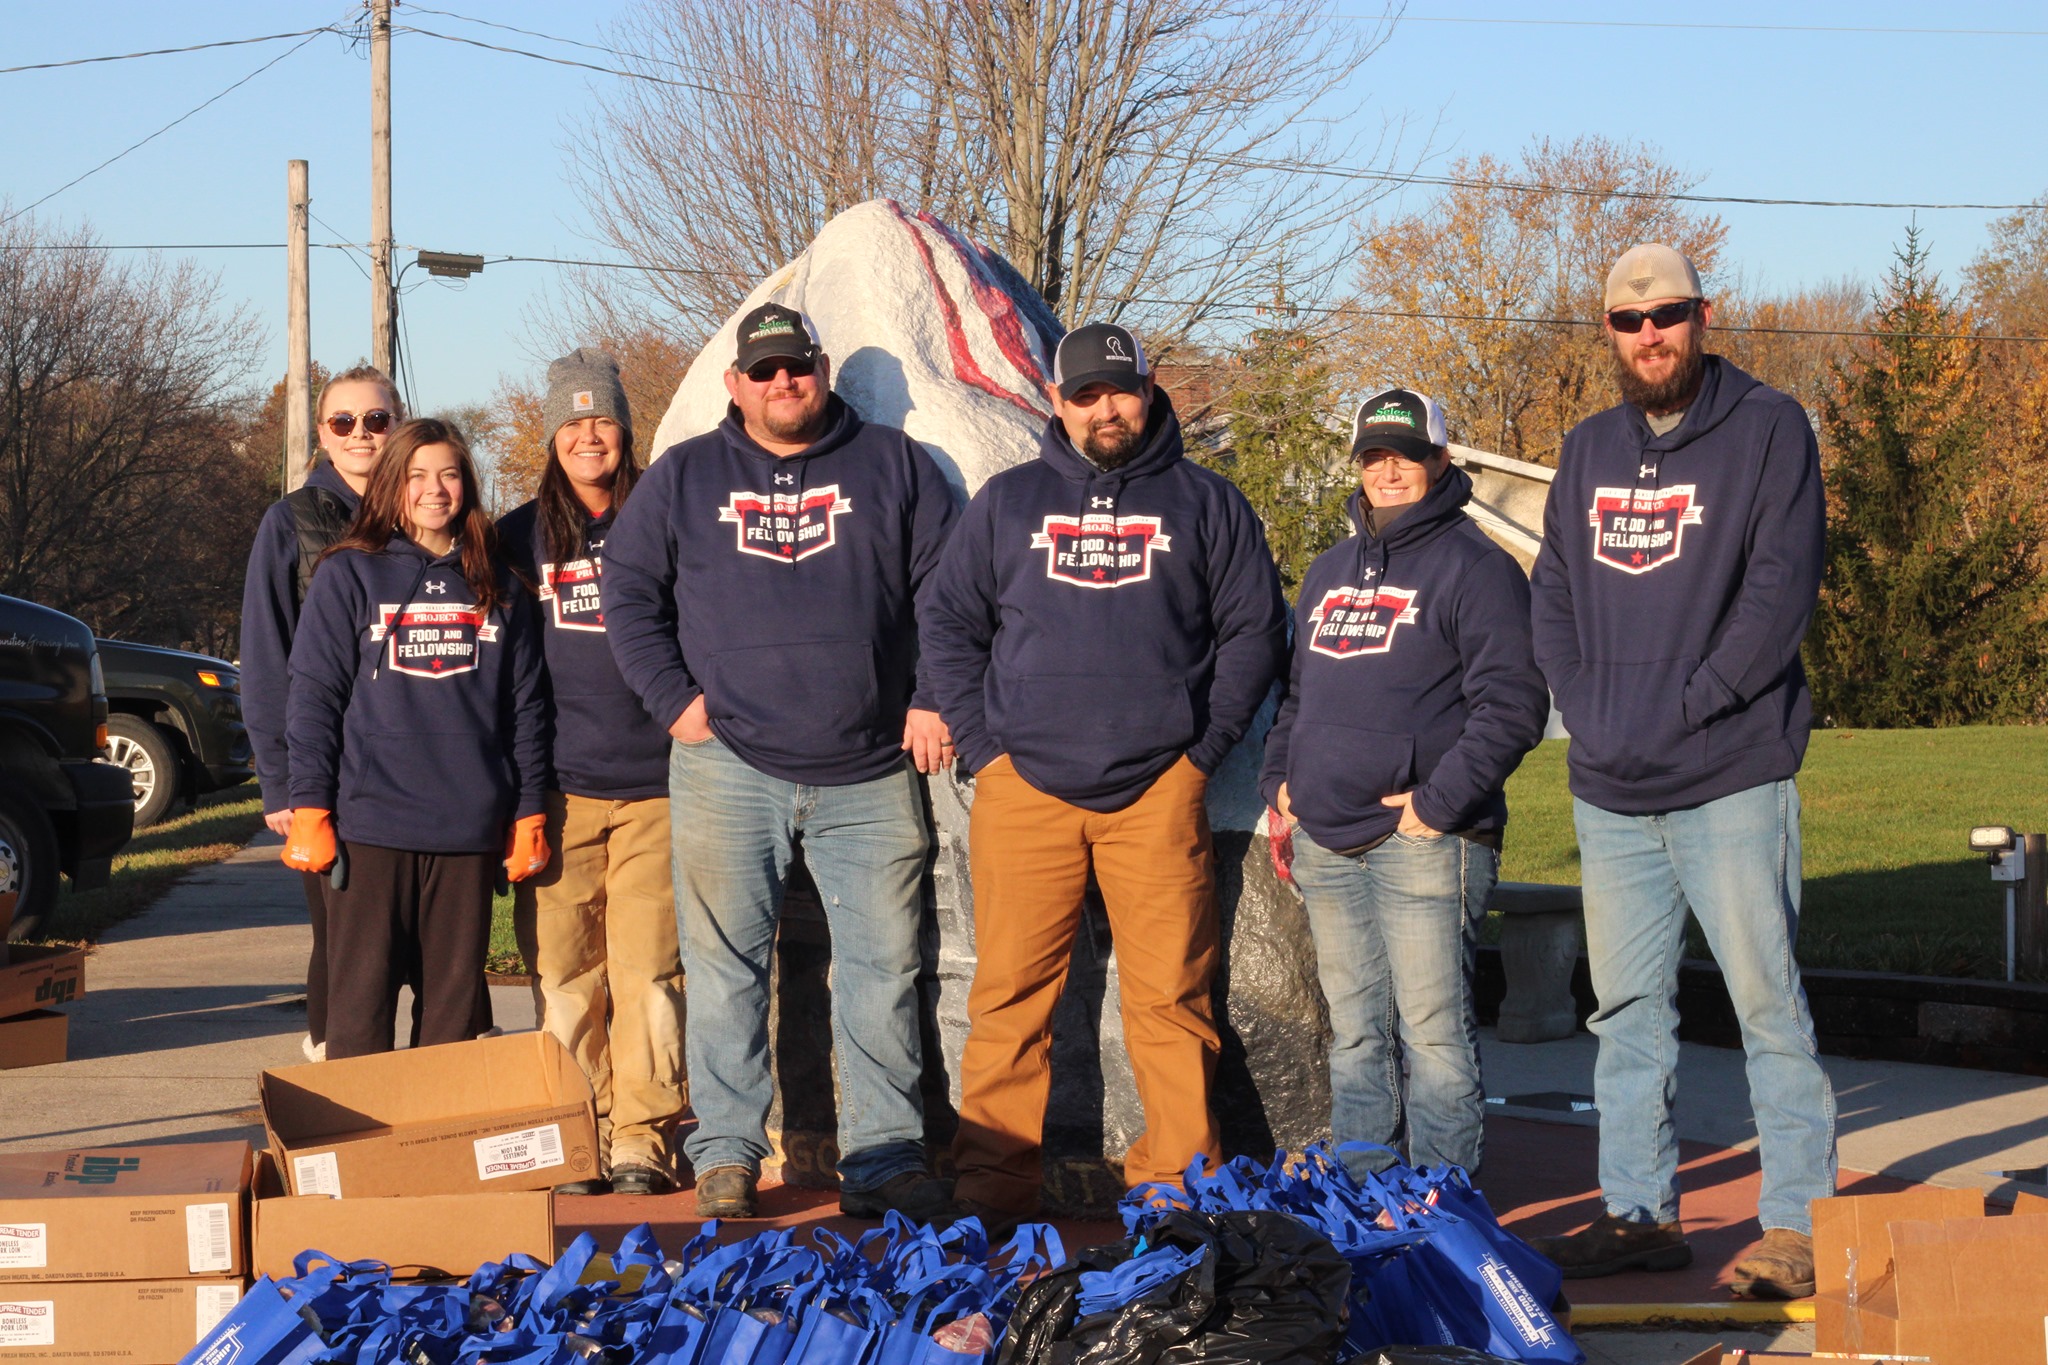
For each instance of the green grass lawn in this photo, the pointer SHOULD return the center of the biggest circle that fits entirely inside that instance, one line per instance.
(219, 825)
(1890, 885)
(504, 955)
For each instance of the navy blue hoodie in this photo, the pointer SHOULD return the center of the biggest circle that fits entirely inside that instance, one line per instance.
(605, 744)
(1677, 577)
(783, 590)
(270, 618)
(420, 726)
(1096, 625)
(1412, 672)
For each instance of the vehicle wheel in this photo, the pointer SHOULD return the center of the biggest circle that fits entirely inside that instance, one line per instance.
(152, 763)
(28, 861)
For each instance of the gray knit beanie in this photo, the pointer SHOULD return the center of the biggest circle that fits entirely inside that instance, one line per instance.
(583, 383)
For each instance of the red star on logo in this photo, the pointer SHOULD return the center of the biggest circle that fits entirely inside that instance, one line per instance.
(1343, 644)
(1636, 558)
(437, 665)
(1100, 575)
(789, 549)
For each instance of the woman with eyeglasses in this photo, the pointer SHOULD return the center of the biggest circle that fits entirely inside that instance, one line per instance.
(417, 744)
(357, 410)
(1412, 696)
(598, 927)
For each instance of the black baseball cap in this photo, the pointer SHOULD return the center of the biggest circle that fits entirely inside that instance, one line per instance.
(1100, 353)
(773, 332)
(1401, 420)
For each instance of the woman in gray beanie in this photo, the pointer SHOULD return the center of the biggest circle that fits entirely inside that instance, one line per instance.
(598, 926)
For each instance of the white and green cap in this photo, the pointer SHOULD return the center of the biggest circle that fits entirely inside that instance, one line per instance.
(1408, 423)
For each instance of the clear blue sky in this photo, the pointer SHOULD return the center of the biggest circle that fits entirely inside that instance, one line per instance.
(481, 161)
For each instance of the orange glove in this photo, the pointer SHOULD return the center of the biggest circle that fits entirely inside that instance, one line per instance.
(526, 848)
(310, 845)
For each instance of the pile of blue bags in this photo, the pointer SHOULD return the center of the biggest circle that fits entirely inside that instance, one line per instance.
(1430, 1263)
(901, 1295)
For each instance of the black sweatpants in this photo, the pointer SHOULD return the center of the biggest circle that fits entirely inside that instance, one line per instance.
(406, 917)
(316, 961)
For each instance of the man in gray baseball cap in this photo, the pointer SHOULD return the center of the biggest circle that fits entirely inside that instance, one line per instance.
(1680, 566)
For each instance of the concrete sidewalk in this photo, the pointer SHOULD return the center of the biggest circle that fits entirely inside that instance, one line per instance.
(187, 1003)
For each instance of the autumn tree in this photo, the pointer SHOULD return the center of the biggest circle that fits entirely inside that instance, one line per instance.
(2007, 289)
(128, 494)
(1145, 161)
(1932, 608)
(1446, 292)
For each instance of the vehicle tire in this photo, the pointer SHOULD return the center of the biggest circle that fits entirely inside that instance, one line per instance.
(28, 860)
(152, 763)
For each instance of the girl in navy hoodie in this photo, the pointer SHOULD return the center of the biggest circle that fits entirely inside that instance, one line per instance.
(599, 926)
(416, 744)
(1412, 696)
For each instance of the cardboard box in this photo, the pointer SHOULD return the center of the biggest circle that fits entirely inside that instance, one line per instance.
(38, 1038)
(133, 1322)
(2029, 1203)
(1925, 1273)
(159, 1212)
(422, 1236)
(507, 1113)
(37, 978)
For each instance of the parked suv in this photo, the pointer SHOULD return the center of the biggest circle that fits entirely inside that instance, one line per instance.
(62, 810)
(175, 723)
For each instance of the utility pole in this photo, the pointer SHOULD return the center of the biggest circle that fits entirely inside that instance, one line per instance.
(298, 384)
(383, 300)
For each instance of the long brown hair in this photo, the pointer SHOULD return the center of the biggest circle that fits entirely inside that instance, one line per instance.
(383, 507)
(563, 520)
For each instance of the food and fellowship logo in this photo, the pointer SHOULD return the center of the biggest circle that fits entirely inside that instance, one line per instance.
(1352, 622)
(786, 526)
(432, 639)
(571, 592)
(1100, 549)
(1636, 530)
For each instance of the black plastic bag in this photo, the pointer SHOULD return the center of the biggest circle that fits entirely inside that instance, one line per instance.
(1267, 1290)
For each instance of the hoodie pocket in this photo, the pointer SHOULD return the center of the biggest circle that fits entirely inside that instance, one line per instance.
(437, 783)
(811, 700)
(1336, 774)
(1627, 721)
(1108, 722)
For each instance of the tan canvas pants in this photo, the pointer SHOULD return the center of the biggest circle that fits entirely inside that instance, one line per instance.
(1030, 856)
(598, 928)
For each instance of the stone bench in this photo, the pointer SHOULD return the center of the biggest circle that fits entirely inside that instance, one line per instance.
(1541, 933)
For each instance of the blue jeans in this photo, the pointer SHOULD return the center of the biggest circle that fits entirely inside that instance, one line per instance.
(1735, 864)
(1394, 948)
(866, 843)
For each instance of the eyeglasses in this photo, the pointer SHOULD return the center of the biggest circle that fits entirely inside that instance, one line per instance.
(1631, 320)
(1373, 459)
(376, 422)
(765, 372)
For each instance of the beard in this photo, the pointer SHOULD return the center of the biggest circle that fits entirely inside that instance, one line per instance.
(793, 421)
(1111, 444)
(1675, 389)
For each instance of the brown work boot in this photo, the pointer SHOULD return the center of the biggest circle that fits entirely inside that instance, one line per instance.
(726, 1192)
(1612, 1245)
(1778, 1267)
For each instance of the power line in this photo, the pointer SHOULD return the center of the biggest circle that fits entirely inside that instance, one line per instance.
(1732, 28)
(166, 51)
(309, 37)
(172, 246)
(1261, 163)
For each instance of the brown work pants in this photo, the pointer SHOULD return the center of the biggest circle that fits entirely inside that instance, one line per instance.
(1031, 854)
(598, 928)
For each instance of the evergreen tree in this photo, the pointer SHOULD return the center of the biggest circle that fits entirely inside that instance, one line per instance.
(1932, 608)
(1284, 451)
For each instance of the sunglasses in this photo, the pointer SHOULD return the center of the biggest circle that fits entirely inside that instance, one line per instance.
(1631, 320)
(376, 422)
(766, 371)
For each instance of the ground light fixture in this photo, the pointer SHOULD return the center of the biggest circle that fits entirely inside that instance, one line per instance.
(2008, 857)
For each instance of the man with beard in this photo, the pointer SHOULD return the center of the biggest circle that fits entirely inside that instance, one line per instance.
(759, 594)
(1105, 623)
(1680, 565)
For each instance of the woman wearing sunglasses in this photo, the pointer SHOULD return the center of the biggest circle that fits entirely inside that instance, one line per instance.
(417, 744)
(598, 927)
(357, 410)
(1412, 695)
